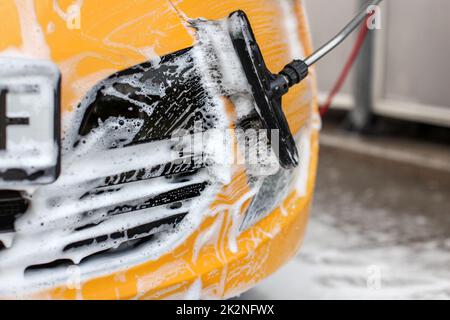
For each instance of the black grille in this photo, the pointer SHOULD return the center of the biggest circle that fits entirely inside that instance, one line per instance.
(137, 237)
(12, 205)
(133, 233)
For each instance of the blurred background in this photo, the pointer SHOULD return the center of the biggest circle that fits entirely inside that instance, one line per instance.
(380, 223)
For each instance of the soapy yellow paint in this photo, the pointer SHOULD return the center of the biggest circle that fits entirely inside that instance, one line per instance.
(117, 34)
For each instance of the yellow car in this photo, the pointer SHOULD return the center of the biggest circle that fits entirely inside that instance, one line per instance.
(102, 196)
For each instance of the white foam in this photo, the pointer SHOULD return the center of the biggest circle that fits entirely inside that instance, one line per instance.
(33, 39)
(48, 226)
(56, 211)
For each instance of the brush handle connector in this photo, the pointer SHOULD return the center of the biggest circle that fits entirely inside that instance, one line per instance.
(291, 75)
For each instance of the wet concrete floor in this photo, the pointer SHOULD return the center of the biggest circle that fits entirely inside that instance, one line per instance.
(379, 229)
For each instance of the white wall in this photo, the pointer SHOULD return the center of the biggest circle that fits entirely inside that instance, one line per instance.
(326, 18)
(415, 48)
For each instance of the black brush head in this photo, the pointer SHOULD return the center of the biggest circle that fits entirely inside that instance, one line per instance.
(265, 89)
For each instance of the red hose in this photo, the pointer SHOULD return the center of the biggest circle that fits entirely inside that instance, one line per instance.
(348, 66)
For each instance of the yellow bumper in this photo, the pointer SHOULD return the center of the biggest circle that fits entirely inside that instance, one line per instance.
(113, 36)
(210, 270)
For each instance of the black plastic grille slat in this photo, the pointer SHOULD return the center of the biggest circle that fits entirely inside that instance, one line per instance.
(12, 205)
(50, 265)
(131, 234)
(187, 166)
(128, 245)
(177, 195)
(173, 198)
(146, 228)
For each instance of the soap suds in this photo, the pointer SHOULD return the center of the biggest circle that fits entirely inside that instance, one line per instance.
(33, 38)
(56, 211)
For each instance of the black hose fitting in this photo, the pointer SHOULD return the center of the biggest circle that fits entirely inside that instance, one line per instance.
(291, 75)
(295, 72)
